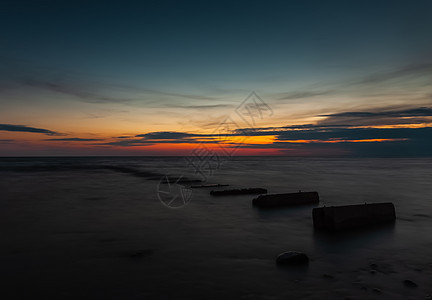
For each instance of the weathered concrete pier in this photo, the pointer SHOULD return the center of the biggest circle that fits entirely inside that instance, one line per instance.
(288, 199)
(336, 218)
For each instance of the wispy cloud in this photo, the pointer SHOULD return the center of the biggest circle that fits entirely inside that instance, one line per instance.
(130, 143)
(386, 85)
(24, 128)
(303, 94)
(176, 94)
(80, 91)
(381, 117)
(201, 107)
(74, 140)
(144, 142)
(422, 111)
(353, 134)
(96, 92)
(84, 86)
(164, 135)
(413, 70)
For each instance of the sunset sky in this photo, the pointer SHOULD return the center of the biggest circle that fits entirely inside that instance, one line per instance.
(299, 78)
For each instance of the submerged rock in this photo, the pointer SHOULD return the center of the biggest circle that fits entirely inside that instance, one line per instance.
(141, 253)
(208, 185)
(288, 199)
(410, 283)
(292, 258)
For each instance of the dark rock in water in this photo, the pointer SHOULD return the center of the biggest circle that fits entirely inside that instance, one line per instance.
(336, 218)
(208, 185)
(288, 199)
(377, 290)
(141, 253)
(239, 192)
(292, 258)
(410, 283)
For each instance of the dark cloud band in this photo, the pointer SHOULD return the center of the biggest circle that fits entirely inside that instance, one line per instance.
(23, 128)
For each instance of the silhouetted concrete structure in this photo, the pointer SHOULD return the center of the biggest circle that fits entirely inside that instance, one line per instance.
(276, 200)
(337, 218)
(292, 258)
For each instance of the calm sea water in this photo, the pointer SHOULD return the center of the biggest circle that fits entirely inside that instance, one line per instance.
(95, 228)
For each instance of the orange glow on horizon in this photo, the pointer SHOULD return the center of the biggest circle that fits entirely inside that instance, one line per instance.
(342, 141)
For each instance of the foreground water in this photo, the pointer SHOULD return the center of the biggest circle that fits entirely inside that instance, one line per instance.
(95, 228)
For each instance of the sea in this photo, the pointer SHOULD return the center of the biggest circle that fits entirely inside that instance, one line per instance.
(133, 228)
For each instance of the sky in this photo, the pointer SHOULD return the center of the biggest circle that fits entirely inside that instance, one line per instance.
(294, 78)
